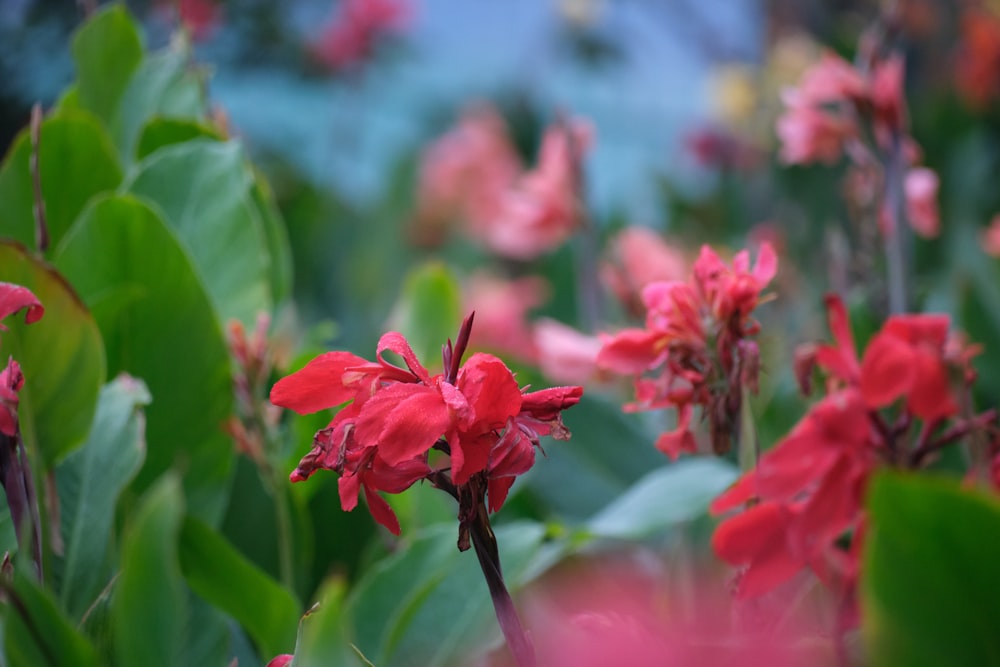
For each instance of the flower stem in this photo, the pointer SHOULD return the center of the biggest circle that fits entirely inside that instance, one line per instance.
(895, 207)
(485, 544)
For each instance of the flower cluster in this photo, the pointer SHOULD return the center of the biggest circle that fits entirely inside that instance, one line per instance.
(840, 109)
(696, 348)
(395, 416)
(896, 406)
(473, 174)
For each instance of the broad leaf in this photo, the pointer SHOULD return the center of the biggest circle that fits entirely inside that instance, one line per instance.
(76, 161)
(203, 189)
(107, 51)
(321, 639)
(665, 497)
(150, 610)
(62, 357)
(224, 578)
(35, 632)
(161, 132)
(89, 483)
(929, 576)
(158, 324)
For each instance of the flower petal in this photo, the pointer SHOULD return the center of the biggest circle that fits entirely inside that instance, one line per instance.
(395, 342)
(14, 297)
(887, 370)
(381, 511)
(403, 420)
(317, 386)
(632, 351)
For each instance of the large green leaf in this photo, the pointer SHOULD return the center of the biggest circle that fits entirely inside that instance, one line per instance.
(277, 240)
(62, 357)
(89, 483)
(160, 132)
(158, 324)
(166, 85)
(428, 604)
(149, 610)
(429, 311)
(107, 50)
(663, 498)
(36, 634)
(930, 574)
(223, 577)
(203, 189)
(76, 161)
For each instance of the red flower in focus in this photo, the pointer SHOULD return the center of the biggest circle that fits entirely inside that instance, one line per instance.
(475, 413)
(807, 493)
(696, 348)
(350, 37)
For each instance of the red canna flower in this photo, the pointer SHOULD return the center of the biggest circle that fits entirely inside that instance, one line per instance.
(696, 348)
(380, 441)
(806, 495)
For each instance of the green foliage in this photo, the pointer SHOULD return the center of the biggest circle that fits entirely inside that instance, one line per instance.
(930, 573)
(429, 311)
(61, 355)
(90, 481)
(107, 51)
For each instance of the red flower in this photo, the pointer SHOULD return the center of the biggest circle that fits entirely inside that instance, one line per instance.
(350, 37)
(695, 349)
(12, 299)
(807, 493)
(476, 414)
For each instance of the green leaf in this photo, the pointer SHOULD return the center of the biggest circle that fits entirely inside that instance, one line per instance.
(322, 640)
(665, 497)
(277, 240)
(76, 161)
(428, 604)
(161, 132)
(929, 577)
(224, 578)
(158, 324)
(89, 483)
(62, 357)
(429, 311)
(166, 85)
(107, 50)
(149, 609)
(203, 189)
(36, 634)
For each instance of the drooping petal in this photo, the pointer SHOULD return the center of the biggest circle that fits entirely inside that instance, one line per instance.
(348, 486)
(14, 298)
(497, 489)
(673, 443)
(317, 386)
(396, 478)
(403, 420)
(381, 511)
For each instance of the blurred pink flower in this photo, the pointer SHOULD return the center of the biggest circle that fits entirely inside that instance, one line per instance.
(990, 239)
(542, 208)
(201, 17)
(465, 174)
(501, 308)
(281, 660)
(627, 616)
(809, 134)
(349, 38)
(639, 256)
(565, 355)
(921, 188)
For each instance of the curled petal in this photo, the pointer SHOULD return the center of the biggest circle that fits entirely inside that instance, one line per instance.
(14, 298)
(546, 404)
(395, 342)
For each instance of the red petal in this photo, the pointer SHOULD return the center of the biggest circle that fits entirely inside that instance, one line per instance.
(397, 478)
(767, 265)
(632, 351)
(840, 327)
(932, 329)
(317, 386)
(491, 390)
(348, 486)
(381, 511)
(469, 456)
(14, 297)
(758, 538)
(497, 490)
(831, 510)
(887, 370)
(930, 397)
(403, 421)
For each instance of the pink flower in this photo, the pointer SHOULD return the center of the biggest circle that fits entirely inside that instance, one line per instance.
(811, 134)
(201, 17)
(465, 175)
(281, 660)
(349, 39)
(565, 354)
(639, 256)
(14, 298)
(541, 210)
(695, 349)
